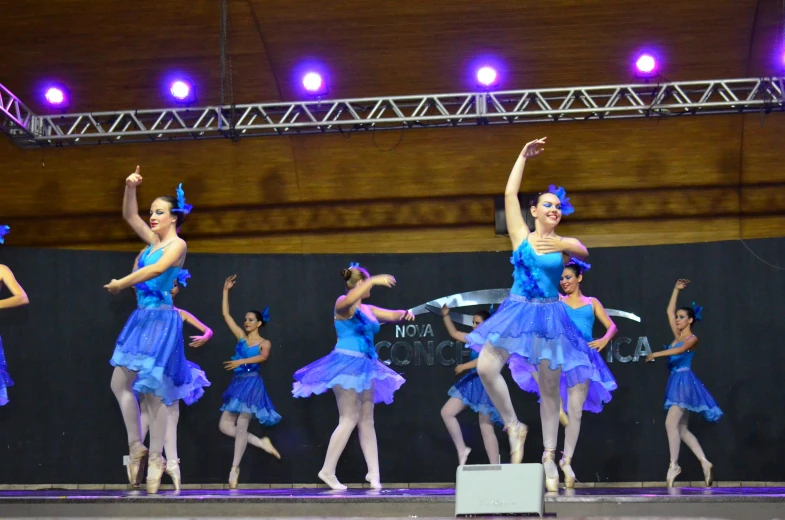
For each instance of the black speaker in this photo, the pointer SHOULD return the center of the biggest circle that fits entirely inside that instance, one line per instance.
(500, 215)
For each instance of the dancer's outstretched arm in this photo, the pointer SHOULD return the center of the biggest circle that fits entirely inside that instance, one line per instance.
(516, 226)
(171, 256)
(131, 209)
(389, 316)
(192, 320)
(264, 354)
(236, 330)
(18, 295)
(610, 326)
(355, 294)
(689, 344)
(681, 283)
(451, 330)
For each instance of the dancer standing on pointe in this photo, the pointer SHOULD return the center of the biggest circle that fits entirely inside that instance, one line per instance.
(149, 354)
(353, 371)
(17, 299)
(194, 393)
(470, 392)
(531, 323)
(246, 396)
(582, 310)
(684, 393)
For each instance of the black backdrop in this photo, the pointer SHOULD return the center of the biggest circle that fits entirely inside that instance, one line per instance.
(63, 424)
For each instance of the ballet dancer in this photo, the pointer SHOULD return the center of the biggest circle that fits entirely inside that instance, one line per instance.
(531, 323)
(17, 299)
(193, 394)
(469, 392)
(246, 396)
(582, 310)
(353, 371)
(149, 354)
(684, 393)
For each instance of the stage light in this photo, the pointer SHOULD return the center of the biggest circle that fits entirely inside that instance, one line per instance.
(313, 83)
(180, 90)
(487, 77)
(55, 96)
(645, 64)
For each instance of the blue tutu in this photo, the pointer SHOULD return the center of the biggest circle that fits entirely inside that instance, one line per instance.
(5, 379)
(470, 390)
(350, 370)
(246, 394)
(194, 390)
(684, 388)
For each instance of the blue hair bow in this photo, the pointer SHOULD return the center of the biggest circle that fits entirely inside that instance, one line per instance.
(491, 310)
(698, 310)
(185, 208)
(566, 207)
(266, 314)
(182, 276)
(3, 232)
(353, 265)
(583, 266)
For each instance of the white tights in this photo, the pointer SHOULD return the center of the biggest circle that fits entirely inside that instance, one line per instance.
(576, 397)
(450, 410)
(236, 425)
(676, 427)
(170, 440)
(353, 410)
(122, 387)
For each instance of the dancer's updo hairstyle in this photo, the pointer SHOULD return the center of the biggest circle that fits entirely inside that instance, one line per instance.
(353, 275)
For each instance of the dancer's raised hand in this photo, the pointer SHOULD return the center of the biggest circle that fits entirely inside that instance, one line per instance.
(230, 281)
(534, 148)
(682, 283)
(134, 180)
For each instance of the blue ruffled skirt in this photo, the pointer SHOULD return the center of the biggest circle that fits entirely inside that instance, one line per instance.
(350, 370)
(5, 379)
(246, 394)
(151, 344)
(686, 391)
(469, 389)
(536, 330)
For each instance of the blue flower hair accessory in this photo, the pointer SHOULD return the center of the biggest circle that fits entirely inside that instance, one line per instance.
(566, 207)
(698, 310)
(185, 208)
(182, 276)
(491, 310)
(353, 265)
(582, 266)
(266, 314)
(3, 232)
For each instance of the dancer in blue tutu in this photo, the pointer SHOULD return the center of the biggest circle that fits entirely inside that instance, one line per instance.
(149, 354)
(531, 323)
(17, 299)
(684, 393)
(591, 395)
(195, 390)
(469, 392)
(353, 372)
(246, 397)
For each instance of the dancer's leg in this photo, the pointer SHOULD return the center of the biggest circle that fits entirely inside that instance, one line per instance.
(451, 408)
(227, 425)
(692, 443)
(348, 417)
(159, 417)
(489, 439)
(489, 367)
(576, 396)
(170, 441)
(367, 433)
(549, 381)
(241, 438)
(144, 417)
(672, 420)
(122, 387)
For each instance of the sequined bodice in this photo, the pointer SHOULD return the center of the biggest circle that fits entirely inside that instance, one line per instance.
(583, 318)
(535, 276)
(155, 292)
(357, 333)
(681, 361)
(244, 351)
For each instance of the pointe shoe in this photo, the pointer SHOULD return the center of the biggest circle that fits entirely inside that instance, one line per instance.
(155, 470)
(267, 446)
(463, 456)
(548, 460)
(136, 464)
(234, 477)
(331, 481)
(569, 474)
(674, 470)
(373, 480)
(564, 420)
(517, 435)
(173, 470)
(708, 472)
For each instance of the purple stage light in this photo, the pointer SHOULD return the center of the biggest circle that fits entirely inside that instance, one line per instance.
(645, 64)
(180, 90)
(487, 77)
(313, 82)
(55, 96)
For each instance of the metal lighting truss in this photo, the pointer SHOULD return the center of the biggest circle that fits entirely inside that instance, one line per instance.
(315, 116)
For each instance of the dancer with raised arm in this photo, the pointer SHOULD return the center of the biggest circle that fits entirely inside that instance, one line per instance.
(246, 396)
(582, 310)
(194, 392)
(685, 393)
(531, 323)
(469, 392)
(17, 299)
(149, 354)
(354, 373)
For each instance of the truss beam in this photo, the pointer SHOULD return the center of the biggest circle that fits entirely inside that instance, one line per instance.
(626, 101)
